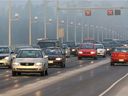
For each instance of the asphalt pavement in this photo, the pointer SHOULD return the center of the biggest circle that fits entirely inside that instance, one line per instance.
(85, 77)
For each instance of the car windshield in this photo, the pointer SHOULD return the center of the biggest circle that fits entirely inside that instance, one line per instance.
(64, 46)
(87, 46)
(99, 46)
(46, 44)
(53, 52)
(4, 50)
(121, 50)
(29, 54)
(17, 49)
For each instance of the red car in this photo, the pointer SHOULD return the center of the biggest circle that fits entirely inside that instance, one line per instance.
(119, 56)
(87, 50)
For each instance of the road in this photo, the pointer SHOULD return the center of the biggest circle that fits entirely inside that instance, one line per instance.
(85, 77)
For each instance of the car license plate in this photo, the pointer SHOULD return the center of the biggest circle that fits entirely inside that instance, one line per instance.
(50, 61)
(121, 60)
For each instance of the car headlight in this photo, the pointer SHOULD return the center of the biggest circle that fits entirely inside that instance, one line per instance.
(93, 52)
(80, 52)
(108, 49)
(16, 64)
(7, 58)
(66, 51)
(38, 64)
(73, 49)
(58, 59)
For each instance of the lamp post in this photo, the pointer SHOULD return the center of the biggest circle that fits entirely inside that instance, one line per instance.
(10, 19)
(67, 30)
(31, 20)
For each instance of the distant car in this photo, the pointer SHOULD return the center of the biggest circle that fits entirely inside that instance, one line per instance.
(6, 56)
(72, 46)
(108, 47)
(87, 50)
(101, 51)
(66, 50)
(30, 60)
(119, 56)
(55, 56)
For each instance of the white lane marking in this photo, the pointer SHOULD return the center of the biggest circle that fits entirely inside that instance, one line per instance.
(114, 84)
(52, 80)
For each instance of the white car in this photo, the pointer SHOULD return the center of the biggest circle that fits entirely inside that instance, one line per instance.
(30, 60)
(101, 51)
(5, 56)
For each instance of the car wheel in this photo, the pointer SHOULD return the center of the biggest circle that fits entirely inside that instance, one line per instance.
(46, 72)
(104, 56)
(19, 73)
(42, 73)
(63, 65)
(112, 64)
(95, 58)
(79, 58)
(9, 66)
(14, 73)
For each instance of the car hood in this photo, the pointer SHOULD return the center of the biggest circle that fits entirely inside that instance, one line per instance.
(31, 60)
(87, 50)
(54, 56)
(100, 49)
(4, 55)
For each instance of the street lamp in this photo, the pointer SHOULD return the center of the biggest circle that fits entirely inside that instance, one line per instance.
(10, 19)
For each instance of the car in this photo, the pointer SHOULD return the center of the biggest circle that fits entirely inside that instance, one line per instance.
(6, 56)
(119, 56)
(56, 56)
(101, 51)
(72, 46)
(87, 50)
(30, 60)
(66, 50)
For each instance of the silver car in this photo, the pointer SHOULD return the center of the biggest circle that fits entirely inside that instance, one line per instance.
(101, 51)
(30, 60)
(5, 56)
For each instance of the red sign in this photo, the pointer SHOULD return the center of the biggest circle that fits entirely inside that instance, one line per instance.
(109, 12)
(87, 12)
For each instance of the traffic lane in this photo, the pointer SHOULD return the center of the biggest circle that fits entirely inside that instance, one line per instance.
(90, 83)
(120, 88)
(8, 82)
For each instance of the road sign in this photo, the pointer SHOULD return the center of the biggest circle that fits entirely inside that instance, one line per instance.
(117, 12)
(109, 12)
(61, 33)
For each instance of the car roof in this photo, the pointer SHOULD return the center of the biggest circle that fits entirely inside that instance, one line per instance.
(98, 44)
(54, 47)
(4, 46)
(30, 49)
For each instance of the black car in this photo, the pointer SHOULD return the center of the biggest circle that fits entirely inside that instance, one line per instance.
(56, 56)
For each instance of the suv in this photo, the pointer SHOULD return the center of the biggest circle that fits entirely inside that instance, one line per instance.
(5, 56)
